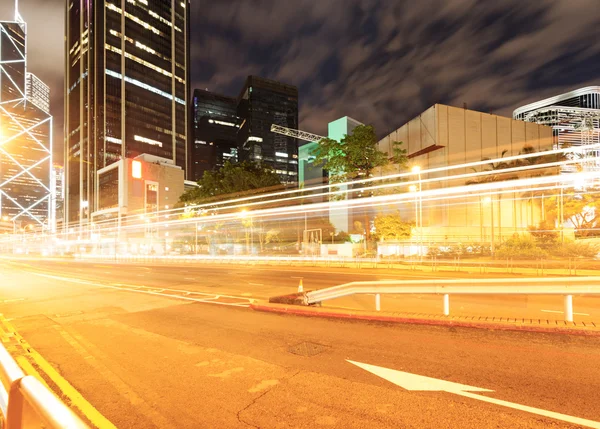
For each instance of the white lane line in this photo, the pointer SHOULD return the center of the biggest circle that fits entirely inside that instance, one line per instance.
(152, 292)
(12, 300)
(562, 312)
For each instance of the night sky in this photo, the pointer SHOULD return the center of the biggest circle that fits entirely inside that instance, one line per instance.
(381, 62)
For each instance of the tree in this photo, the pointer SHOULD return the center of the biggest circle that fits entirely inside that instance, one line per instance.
(356, 155)
(581, 208)
(391, 227)
(520, 247)
(231, 180)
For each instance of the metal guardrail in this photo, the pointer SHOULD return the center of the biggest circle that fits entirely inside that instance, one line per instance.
(26, 403)
(565, 286)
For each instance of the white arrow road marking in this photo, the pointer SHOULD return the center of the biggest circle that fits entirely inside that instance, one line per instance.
(410, 381)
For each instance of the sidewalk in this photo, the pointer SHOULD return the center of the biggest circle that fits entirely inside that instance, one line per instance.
(479, 322)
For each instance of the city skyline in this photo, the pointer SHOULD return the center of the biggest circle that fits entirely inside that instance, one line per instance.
(377, 62)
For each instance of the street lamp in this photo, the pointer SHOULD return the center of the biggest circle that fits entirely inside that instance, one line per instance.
(413, 189)
(417, 170)
(490, 201)
(243, 215)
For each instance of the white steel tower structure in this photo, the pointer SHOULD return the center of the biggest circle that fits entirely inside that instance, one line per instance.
(25, 135)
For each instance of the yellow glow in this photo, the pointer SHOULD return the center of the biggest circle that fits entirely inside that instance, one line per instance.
(487, 200)
(416, 169)
(136, 169)
(412, 188)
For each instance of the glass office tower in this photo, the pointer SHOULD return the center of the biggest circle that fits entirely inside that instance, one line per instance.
(216, 124)
(25, 136)
(263, 102)
(126, 87)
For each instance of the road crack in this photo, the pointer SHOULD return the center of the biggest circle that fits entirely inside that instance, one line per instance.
(255, 400)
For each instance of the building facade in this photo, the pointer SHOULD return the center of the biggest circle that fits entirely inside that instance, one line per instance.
(25, 136)
(574, 118)
(239, 129)
(445, 136)
(262, 103)
(215, 128)
(126, 86)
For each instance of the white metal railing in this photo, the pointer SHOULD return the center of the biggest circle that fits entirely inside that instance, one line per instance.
(26, 403)
(565, 286)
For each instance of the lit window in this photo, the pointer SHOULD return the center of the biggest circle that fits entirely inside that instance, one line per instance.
(281, 154)
(166, 189)
(136, 169)
(114, 140)
(144, 86)
(147, 140)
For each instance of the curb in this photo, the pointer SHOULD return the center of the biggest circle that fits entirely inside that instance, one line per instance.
(307, 312)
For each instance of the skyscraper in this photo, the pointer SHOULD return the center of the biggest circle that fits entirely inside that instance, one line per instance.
(25, 134)
(239, 129)
(216, 125)
(261, 103)
(126, 86)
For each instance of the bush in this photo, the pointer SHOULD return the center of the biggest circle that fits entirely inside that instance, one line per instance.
(574, 249)
(520, 247)
(459, 250)
(544, 233)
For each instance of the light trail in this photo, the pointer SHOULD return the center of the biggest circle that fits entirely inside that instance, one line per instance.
(245, 201)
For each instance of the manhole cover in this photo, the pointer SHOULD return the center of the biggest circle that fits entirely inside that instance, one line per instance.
(307, 349)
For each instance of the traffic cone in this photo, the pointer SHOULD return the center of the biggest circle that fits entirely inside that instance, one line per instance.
(300, 287)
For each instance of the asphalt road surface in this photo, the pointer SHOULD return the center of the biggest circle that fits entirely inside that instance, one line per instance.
(151, 361)
(263, 281)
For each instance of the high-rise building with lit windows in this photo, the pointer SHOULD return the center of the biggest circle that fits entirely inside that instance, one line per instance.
(215, 127)
(26, 193)
(126, 90)
(262, 103)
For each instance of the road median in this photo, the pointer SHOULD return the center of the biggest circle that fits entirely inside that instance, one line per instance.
(478, 322)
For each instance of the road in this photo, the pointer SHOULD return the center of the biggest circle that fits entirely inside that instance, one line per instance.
(262, 282)
(149, 361)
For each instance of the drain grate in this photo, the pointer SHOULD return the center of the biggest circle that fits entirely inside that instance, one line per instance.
(307, 349)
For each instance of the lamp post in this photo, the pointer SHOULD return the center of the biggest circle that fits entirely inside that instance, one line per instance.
(196, 245)
(417, 170)
(489, 200)
(243, 215)
(413, 189)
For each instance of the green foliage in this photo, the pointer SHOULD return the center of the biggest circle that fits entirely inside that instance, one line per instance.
(391, 227)
(574, 249)
(581, 208)
(356, 155)
(459, 250)
(520, 247)
(230, 180)
(544, 233)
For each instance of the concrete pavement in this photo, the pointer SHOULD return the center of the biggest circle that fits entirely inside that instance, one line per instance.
(148, 361)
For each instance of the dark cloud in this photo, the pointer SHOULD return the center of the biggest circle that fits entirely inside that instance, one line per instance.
(379, 61)
(383, 62)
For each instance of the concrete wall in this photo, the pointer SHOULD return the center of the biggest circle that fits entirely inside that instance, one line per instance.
(458, 136)
(170, 181)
